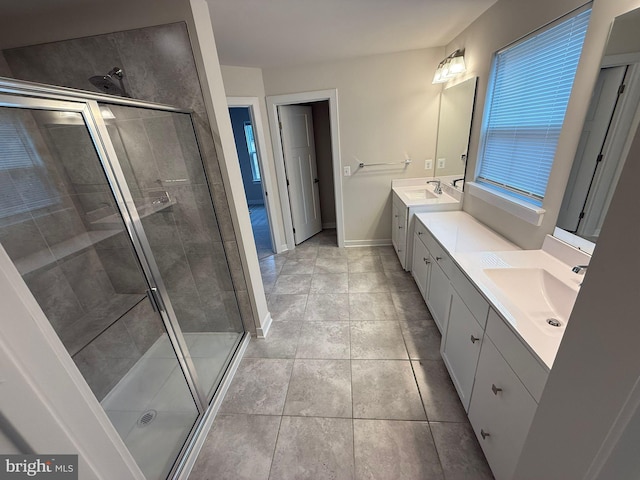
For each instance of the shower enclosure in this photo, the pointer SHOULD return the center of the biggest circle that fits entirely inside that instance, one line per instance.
(106, 213)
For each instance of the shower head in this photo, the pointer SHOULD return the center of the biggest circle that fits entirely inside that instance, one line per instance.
(107, 84)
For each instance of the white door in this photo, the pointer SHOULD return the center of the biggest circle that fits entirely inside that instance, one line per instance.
(296, 131)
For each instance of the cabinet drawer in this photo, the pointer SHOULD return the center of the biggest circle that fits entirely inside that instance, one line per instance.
(438, 253)
(421, 232)
(501, 411)
(474, 300)
(528, 368)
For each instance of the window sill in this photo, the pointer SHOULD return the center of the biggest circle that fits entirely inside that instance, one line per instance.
(525, 211)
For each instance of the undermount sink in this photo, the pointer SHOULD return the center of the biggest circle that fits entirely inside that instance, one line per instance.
(536, 293)
(419, 194)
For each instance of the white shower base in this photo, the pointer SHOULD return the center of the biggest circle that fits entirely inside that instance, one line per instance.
(156, 383)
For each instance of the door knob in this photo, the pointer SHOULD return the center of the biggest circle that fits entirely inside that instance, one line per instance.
(484, 434)
(315, 180)
(474, 339)
(495, 389)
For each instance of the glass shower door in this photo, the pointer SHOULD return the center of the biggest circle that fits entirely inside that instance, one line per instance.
(60, 225)
(163, 170)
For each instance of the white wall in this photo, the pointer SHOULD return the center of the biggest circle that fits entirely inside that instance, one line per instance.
(386, 106)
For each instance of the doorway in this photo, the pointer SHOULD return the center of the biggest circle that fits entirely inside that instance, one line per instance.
(327, 177)
(250, 146)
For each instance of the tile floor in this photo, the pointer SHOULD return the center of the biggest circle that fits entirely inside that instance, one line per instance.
(348, 384)
(261, 232)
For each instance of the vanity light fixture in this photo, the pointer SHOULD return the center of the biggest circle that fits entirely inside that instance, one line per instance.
(450, 67)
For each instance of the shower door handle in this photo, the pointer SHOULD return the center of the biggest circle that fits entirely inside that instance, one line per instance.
(152, 294)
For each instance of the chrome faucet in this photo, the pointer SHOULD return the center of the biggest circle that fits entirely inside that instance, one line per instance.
(456, 181)
(580, 269)
(437, 189)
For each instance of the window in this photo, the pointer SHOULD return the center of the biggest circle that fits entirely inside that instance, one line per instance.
(253, 154)
(526, 104)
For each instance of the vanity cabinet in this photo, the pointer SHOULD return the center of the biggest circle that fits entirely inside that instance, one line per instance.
(502, 408)
(498, 378)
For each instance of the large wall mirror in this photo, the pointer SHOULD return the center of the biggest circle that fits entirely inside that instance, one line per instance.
(454, 128)
(611, 123)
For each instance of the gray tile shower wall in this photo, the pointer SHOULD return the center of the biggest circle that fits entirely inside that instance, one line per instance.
(161, 163)
(159, 67)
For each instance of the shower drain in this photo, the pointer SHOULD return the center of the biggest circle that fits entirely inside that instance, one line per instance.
(146, 418)
(554, 322)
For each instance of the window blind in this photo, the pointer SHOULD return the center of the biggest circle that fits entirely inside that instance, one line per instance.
(532, 82)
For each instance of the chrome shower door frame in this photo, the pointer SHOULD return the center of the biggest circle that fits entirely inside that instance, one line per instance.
(19, 94)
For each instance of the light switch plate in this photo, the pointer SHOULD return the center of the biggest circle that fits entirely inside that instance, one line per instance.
(347, 171)
(428, 164)
(441, 162)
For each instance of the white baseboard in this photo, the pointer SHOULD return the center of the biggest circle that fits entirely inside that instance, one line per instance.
(265, 325)
(329, 225)
(367, 243)
(283, 248)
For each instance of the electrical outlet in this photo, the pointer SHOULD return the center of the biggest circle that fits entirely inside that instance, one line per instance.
(441, 162)
(347, 171)
(428, 164)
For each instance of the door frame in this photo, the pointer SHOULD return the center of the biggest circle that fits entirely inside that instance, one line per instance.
(273, 102)
(253, 104)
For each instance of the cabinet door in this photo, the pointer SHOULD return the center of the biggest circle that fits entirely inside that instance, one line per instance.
(438, 295)
(420, 265)
(501, 411)
(461, 347)
(398, 233)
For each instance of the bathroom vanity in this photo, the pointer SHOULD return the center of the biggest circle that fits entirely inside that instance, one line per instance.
(416, 195)
(502, 312)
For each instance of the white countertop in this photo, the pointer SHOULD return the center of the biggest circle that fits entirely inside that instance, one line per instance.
(474, 248)
(460, 232)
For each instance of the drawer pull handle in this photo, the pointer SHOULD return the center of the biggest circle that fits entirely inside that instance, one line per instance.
(474, 339)
(438, 258)
(495, 389)
(420, 233)
(426, 260)
(484, 434)
(400, 227)
(395, 216)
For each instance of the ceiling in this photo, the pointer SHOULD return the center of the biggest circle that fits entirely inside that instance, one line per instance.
(270, 33)
(273, 33)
